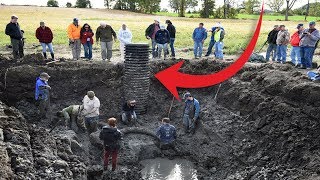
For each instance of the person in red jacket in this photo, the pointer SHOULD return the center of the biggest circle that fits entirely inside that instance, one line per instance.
(45, 36)
(86, 35)
(295, 51)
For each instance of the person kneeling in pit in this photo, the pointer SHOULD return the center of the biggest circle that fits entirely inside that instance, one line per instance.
(111, 137)
(166, 134)
(73, 114)
(128, 113)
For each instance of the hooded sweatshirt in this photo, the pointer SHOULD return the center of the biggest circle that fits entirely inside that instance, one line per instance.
(125, 36)
(41, 93)
(309, 41)
(283, 37)
(111, 138)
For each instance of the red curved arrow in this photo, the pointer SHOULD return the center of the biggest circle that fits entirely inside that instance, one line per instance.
(171, 78)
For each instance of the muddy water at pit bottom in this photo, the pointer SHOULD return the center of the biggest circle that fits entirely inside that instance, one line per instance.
(165, 169)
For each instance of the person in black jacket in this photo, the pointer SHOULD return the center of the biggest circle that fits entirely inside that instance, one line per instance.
(272, 38)
(128, 113)
(172, 31)
(16, 35)
(151, 34)
(111, 137)
(162, 39)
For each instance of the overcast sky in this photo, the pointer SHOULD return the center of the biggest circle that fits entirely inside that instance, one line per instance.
(99, 3)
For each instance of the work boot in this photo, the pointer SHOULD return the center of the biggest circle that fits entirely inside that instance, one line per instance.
(45, 55)
(52, 56)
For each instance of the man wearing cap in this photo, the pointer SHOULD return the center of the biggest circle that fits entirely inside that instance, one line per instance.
(162, 39)
(199, 36)
(125, 37)
(295, 43)
(42, 95)
(309, 39)
(151, 34)
(73, 114)
(272, 41)
(283, 39)
(212, 41)
(106, 35)
(91, 105)
(218, 36)
(190, 113)
(74, 38)
(128, 112)
(16, 36)
(45, 36)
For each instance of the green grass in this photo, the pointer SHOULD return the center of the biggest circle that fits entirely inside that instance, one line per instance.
(238, 32)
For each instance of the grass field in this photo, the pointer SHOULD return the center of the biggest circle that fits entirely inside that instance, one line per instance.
(238, 32)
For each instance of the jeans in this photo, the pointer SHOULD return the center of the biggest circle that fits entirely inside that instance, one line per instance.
(154, 51)
(296, 55)
(114, 155)
(282, 53)
(218, 46)
(87, 50)
(164, 48)
(313, 75)
(128, 117)
(271, 48)
(212, 42)
(76, 49)
(173, 53)
(45, 45)
(17, 48)
(198, 48)
(106, 50)
(91, 123)
(306, 56)
(188, 123)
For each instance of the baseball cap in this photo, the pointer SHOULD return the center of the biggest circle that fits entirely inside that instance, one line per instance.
(299, 25)
(14, 17)
(186, 95)
(75, 19)
(44, 74)
(312, 23)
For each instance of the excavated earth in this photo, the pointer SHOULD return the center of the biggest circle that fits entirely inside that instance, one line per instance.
(264, 123)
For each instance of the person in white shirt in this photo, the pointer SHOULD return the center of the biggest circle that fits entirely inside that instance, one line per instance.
(91, 105)
(125, 37)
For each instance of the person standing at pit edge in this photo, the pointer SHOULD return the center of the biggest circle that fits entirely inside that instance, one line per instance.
(172, 31)
(45, 37)
(199, 36)
(295, 43)
(272, 41)
(283, 39)
(218, 36)
(212, 41)
(104, 35)
(91, 105)
(151, 34)
(309, 39)
(16, 35)
(125, 37)
(111, 137)
(86, 35)
(74, 38)
(162, 40)
(190, 113)
(42, 95)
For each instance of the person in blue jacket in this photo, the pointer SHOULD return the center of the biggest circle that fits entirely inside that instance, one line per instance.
(199, 36)
(190, 113)
(162, 40)
(166, 134)
(42, 93)
(314, 76)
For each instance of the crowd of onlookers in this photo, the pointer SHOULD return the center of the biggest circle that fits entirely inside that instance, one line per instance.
(162, 37)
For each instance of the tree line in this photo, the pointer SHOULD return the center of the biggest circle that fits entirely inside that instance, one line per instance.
(229, 9)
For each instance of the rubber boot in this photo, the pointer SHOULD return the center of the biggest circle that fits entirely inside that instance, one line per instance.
(45, 55)
(52, 56)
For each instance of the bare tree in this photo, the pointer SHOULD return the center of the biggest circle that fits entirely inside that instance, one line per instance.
(290, 4)
(275, 5)
(307, 11)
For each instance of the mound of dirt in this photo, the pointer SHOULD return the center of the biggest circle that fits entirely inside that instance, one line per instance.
(264, 124)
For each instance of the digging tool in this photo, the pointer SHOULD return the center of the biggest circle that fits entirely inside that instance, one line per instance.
(215, 97)
(171, 106)
(262, 46)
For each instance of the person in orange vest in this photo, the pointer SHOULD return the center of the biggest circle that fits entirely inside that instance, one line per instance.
(74, 38)
(295, 51)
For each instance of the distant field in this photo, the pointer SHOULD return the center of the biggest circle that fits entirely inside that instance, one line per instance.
(238, 32)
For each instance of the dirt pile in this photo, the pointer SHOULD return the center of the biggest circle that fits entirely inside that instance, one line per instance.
(264, 124)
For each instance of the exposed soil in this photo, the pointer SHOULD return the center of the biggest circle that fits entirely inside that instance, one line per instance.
(264, 124)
